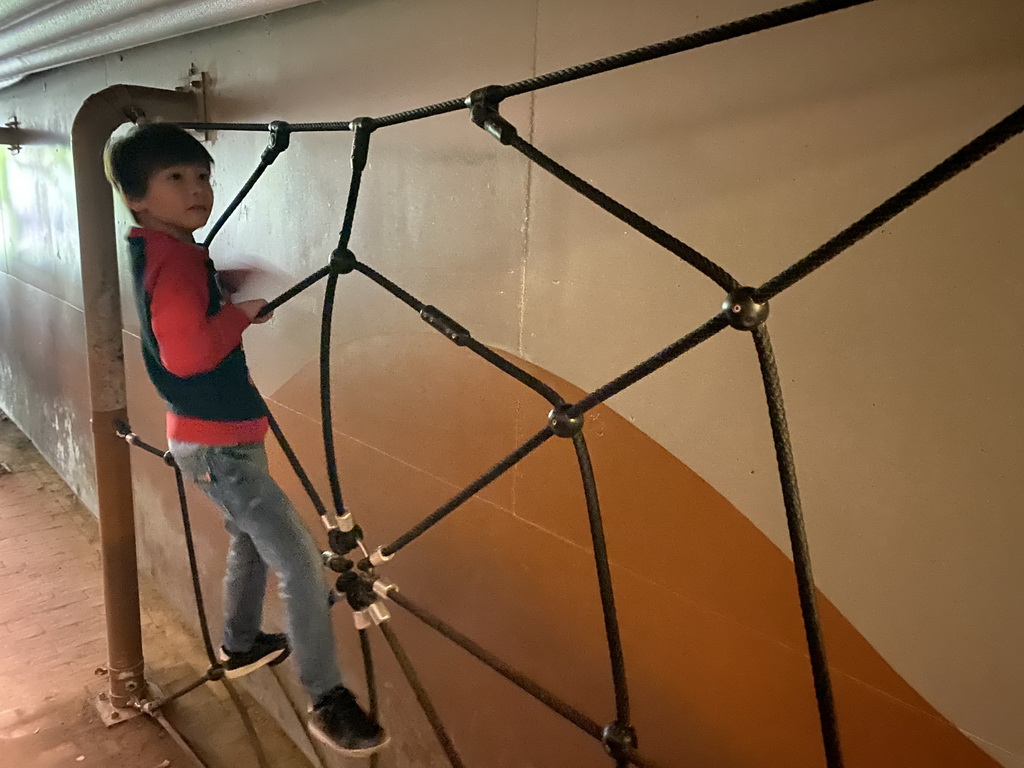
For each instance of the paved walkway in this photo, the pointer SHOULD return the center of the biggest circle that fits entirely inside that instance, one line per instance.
(53, 648)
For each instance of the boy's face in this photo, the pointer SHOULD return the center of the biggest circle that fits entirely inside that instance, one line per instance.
(178, 200)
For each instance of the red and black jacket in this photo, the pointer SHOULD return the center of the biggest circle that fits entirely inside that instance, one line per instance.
(192, 343)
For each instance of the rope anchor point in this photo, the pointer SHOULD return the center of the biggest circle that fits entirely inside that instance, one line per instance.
(619, 740)
(744, 310)
(563, 424)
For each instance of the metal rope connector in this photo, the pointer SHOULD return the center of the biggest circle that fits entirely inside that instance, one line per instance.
(337, 563)
(123, 431)
(150, 706)
(342, 261)
(346, 536)
(743, 309)
(280, 139)
(362, 127)
(444, 325)
(377, 613)
(619, 740)
(215, 672)
(364, 593)
(357, 587)
(384, 588)
(483, 110)
(378, 557)
(563, 424)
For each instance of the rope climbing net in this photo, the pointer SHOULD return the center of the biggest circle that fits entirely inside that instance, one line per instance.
(744, 307)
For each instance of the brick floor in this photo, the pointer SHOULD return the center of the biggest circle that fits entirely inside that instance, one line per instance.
(52, 631)
(53, 647)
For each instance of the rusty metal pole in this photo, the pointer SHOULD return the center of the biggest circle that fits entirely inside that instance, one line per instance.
(96, 120)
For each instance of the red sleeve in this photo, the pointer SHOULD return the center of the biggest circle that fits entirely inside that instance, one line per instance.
(190, 342)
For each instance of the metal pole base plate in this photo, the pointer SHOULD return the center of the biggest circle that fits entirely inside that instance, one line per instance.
(111, 715)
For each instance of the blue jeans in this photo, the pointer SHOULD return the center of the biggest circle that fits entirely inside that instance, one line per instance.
(265, 530)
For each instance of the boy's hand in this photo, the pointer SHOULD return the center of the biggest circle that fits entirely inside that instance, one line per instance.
(252, 308)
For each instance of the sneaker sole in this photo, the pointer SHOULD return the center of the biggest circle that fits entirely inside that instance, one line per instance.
(271, 659)
(315, 730)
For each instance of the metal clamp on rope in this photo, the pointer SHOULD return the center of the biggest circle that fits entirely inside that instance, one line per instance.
(384, 588)
(124, 432)
(378, 557)
(280, 138)
(483, 110)
(744, 310)
(357, 587)
(443, 324)
(150, 706)
(377, 613)
(342, 261)
(337, 563)
(562, 423)
(363, 127)
(619, 740)
(346, 536)
(216, 672)
(346, 522)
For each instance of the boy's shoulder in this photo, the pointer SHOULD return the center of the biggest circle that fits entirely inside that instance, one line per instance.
(160, 258)
(157, 244)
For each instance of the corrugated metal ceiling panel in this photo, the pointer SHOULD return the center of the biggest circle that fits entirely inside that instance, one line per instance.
(35, 36)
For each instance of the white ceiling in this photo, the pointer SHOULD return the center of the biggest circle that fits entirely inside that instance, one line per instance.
(41, 34)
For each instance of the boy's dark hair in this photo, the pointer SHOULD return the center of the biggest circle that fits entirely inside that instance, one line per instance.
(132, 160)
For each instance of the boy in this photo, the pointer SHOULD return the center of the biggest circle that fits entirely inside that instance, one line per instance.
(191, 344)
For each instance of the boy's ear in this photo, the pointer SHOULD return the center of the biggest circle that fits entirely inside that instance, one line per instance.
(135, 205)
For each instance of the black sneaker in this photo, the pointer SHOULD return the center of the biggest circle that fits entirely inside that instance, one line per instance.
(267, 649)
(339, 722)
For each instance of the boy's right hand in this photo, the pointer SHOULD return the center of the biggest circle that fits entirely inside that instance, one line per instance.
(252, 308)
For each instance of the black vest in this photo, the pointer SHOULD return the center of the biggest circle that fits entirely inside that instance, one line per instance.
(225, 393)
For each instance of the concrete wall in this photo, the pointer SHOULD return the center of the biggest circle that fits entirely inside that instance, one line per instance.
(898, 363)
